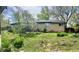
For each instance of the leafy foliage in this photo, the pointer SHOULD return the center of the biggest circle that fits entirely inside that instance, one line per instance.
(64, 13)
(5, 43)
(23, 19)
(62, 34)
(4, 22)
(44, 15)
(18, 42)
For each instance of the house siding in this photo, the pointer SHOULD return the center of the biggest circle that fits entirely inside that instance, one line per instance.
(56, 28)
(51, 27)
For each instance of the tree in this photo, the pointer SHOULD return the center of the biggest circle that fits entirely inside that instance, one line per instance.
(2, 8)
(74, 21)
(44, 15)
(23, 19)
(4, 22)
(63, 12)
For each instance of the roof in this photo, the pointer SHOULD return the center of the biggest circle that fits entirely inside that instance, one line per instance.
(44, 21)
(15, 23)
(50, 21)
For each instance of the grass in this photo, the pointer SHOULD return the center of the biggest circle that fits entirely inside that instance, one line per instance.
(46, 42)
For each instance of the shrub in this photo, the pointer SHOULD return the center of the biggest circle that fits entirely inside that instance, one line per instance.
(75, 35)
(62, 34)
(5, 45)
(45, 30)
(18, 42)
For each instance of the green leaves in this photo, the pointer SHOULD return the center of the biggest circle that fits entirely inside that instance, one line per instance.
(44, 15)
(23, 19)
(5, 43)
(18, 42)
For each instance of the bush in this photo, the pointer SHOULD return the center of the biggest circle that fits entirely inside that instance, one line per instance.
(45, 30)
(6, 45)
(75, 35)
(62, 34)
(18, 42)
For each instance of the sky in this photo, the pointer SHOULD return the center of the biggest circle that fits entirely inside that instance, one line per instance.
(34, 10)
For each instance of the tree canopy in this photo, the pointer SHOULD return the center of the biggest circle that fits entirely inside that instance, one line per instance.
(44, 14)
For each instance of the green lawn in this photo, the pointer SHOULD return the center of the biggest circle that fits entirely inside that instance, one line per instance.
(45, 42)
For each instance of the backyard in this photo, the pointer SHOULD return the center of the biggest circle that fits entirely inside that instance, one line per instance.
(40, 42)
(51, 29)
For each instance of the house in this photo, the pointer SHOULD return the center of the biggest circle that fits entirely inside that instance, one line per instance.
(50, 25)
(45, 25)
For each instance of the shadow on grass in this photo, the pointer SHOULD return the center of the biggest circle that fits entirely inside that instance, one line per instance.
(31, 34)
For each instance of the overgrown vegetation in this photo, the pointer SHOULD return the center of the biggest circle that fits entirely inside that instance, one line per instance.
(41, 42)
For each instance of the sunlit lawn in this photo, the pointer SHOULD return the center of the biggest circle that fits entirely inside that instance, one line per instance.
(47, 42)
